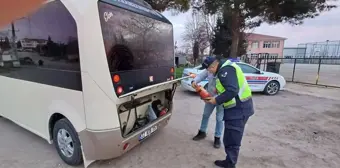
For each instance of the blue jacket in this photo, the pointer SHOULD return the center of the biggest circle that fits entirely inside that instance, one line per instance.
(228, 78)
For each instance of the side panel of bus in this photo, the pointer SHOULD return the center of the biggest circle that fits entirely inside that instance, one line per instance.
(40, 75)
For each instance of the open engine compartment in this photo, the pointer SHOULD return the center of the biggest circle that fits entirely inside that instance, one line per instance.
(138, 113)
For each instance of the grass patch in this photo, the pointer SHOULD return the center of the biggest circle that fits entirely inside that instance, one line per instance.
(178, 72)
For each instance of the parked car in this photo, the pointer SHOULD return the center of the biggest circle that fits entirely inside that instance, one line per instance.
(258, 80)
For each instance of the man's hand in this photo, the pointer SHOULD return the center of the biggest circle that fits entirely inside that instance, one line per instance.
(210, 100)
(193, 84)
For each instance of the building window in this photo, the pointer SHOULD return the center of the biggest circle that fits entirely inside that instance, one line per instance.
(254, 56)
(275, 44)
(255, 44)
(266, 44)
(271, 44)
(273, 56)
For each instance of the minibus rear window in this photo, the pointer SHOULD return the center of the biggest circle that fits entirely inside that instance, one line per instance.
(133, 41)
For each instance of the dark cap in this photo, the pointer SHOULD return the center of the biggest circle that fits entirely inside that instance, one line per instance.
(208, 61)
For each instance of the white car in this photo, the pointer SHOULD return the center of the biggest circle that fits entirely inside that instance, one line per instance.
(258, 80)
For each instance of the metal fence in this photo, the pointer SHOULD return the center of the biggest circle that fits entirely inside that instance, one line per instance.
(324, 71)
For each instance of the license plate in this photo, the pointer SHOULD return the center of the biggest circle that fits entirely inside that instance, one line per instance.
(148, 132)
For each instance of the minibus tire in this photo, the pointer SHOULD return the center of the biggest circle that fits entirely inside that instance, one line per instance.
(76, 158)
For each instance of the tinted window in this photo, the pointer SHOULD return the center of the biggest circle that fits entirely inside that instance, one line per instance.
(247, 68)
(42, 48)
(139, 44)
(133, 41)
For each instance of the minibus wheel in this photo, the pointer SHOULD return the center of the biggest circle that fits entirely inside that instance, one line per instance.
(67, 143)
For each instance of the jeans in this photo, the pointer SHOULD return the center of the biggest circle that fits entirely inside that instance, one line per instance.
(208, 109)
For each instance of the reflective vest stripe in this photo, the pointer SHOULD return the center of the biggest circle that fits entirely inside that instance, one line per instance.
(240, 92)
(230, 106)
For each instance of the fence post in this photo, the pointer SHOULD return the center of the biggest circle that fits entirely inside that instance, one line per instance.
(258, 64)
(294, 70)
(317, 76)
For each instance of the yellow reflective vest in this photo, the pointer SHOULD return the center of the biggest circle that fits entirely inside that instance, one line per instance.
(244, 89)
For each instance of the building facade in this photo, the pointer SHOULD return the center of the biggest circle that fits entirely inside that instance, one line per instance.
(259, 44)
(324, 49)
(294, 52)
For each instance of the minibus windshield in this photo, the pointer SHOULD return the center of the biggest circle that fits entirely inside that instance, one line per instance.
(139, 49)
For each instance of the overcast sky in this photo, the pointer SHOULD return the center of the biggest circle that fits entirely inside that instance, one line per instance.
(324, 27)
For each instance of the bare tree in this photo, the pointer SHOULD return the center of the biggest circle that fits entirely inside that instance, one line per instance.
(200, 28)
(196, 33)
(208, 20)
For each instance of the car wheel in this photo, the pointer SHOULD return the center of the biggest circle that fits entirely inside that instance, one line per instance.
(67, 143)
(272, 88)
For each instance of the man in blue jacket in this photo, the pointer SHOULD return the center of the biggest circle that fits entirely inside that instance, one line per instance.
(235, 95)
(209, 108)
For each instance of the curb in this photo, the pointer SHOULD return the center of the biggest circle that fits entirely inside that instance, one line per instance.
(310, 94)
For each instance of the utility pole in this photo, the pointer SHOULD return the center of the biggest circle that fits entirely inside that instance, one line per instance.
(14, 44)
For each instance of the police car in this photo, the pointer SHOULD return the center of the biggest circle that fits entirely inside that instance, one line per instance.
(259, 81)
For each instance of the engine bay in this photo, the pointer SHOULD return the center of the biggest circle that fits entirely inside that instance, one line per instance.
(138, 113)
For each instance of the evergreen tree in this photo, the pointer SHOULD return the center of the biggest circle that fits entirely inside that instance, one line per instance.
(222, 39)
(175, 5)
(251, 13)
(195, 51)
(7, 44)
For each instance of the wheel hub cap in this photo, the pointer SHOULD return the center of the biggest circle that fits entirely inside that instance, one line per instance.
(272, 88)
(65, 143)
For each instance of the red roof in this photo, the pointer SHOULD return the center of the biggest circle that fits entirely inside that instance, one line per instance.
(254, 36)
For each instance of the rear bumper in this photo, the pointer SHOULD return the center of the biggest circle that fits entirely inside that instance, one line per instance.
(101, 145)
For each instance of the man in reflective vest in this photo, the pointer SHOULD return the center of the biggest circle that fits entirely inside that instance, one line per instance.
(235, 95)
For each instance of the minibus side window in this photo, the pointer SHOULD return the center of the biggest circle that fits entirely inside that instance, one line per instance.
(42, 48)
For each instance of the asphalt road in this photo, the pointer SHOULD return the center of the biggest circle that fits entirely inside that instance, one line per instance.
(288, 130)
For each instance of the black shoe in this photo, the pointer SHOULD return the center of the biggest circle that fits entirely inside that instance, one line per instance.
(224, 164)
(201, 135)
(221, 163)
(217, 142)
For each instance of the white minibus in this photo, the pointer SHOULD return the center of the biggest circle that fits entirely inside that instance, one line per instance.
(93, 77)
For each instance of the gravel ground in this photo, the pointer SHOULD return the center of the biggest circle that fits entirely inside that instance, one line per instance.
(288, 130)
